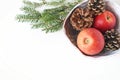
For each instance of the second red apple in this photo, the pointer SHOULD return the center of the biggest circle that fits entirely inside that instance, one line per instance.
(105, 21)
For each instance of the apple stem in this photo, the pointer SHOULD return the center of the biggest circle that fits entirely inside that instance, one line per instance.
(86, 41)
(108, 17)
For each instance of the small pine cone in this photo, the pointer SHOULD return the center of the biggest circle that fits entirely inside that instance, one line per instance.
(81, 18)
(112, 40)
(97, 6)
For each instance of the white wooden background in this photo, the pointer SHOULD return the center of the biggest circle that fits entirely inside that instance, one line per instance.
(30, 54)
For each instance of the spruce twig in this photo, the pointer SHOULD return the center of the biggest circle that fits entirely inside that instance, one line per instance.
(50, 20)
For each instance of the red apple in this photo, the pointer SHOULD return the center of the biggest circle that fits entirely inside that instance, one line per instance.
(105, 21)
(90, 41)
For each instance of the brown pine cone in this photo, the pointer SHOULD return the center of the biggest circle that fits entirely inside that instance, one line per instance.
(97, 6)
(81, 18)
(112, 40)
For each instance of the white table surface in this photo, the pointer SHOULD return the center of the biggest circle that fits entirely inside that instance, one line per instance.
(30, 54)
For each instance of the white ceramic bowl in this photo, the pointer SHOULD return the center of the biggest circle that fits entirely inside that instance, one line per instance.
(72, 34)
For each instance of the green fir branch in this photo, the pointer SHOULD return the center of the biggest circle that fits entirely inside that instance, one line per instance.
(50, 20)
